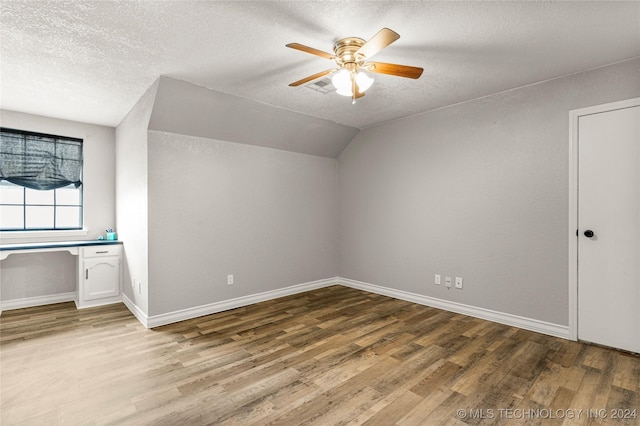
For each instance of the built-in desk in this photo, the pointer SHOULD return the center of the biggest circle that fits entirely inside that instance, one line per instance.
(99, 275)
(70, 246)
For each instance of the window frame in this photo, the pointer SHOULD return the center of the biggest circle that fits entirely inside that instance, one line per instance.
(46, 231)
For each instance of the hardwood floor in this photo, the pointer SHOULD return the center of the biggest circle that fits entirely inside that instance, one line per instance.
(327, 357)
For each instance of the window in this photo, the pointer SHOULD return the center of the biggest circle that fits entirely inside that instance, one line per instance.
(40, 181)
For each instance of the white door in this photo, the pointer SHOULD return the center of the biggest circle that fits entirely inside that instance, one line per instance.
(609, 228)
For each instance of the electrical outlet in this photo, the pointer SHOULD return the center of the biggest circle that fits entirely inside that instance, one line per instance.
(447, 282)
(436, 279)
(229, 279)
(459, 282)
(139, 287)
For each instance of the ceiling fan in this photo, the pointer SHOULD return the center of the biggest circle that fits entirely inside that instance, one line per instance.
(351, 55)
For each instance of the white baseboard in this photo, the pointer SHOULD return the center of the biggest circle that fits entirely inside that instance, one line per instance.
(135, 310)
(472, 311)
(482, 313)
(29, 302)
(98, 302)
(225, 305)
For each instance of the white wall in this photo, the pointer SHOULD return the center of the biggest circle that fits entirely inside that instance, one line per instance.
(37, 274)
(217, 208)
(477, 190)
(19, 279)
(188, 109)
(132, 204)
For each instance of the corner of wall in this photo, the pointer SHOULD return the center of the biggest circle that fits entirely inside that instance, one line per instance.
(132, 200)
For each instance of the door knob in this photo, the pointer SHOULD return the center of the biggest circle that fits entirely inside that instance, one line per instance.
(588, 233)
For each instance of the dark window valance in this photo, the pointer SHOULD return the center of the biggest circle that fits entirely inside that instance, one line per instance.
(40, 161)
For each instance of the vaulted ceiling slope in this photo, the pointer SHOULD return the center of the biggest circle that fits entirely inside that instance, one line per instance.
(92, 60)
(187, 109)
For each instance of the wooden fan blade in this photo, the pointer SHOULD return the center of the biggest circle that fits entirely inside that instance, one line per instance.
(379, 41)
(311, 77)
(311, 50)
(394, 69)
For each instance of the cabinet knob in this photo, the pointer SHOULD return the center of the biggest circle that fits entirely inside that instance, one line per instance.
(588, 233)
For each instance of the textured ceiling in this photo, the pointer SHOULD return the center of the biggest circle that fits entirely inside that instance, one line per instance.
(91, 61)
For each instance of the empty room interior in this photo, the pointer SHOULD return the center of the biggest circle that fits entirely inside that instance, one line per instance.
(319, 212)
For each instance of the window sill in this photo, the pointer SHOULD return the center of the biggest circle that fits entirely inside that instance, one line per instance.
(25, 236)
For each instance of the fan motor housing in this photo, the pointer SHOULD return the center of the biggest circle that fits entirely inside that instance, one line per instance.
(346, 48)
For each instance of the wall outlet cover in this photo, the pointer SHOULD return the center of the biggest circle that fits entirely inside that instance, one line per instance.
(459, 282)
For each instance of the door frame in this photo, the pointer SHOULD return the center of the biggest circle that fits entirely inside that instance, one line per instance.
(574, 116)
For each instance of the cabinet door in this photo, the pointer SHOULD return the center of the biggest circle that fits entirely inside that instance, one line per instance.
(101, 278)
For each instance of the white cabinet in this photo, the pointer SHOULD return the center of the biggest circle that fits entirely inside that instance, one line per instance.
(99, 277)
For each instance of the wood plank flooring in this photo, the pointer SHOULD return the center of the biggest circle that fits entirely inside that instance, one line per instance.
(333, 356)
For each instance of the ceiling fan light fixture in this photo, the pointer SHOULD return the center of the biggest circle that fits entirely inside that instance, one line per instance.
(343, 84)
(343, 93)
(351, 55)
(363, 81)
